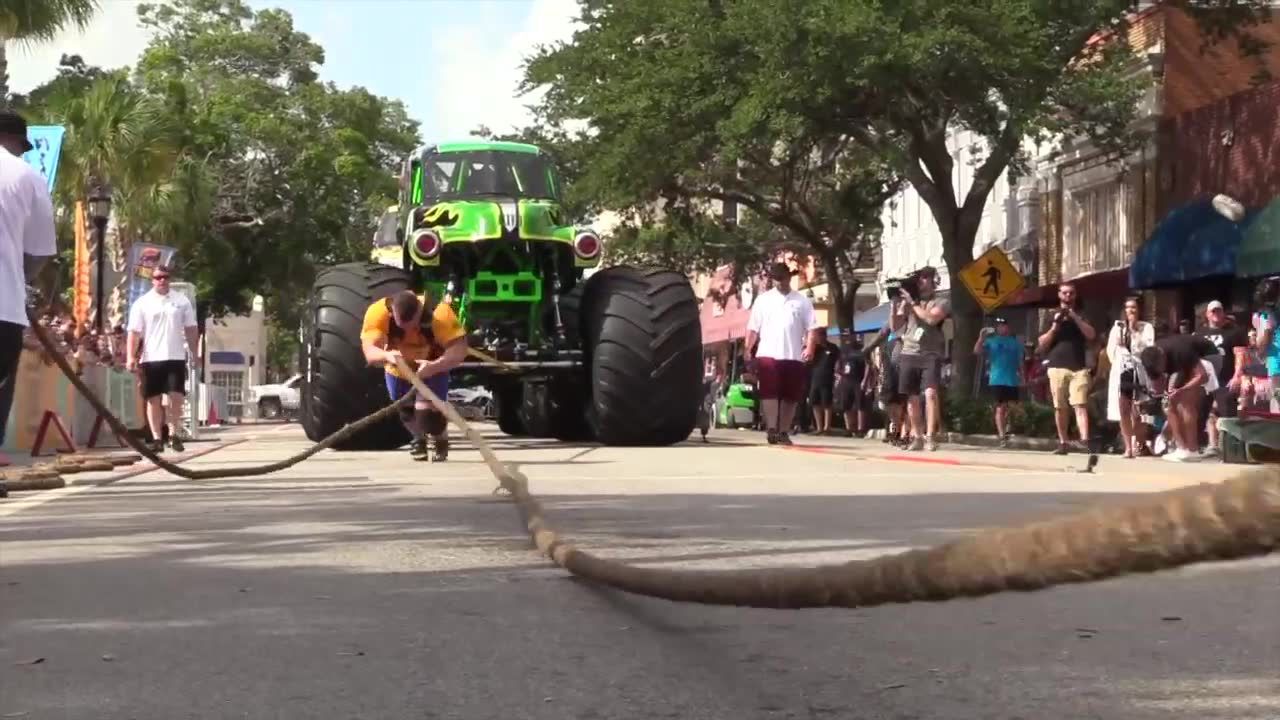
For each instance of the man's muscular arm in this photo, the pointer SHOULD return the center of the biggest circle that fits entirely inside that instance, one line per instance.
(377, 355)
(454, 353)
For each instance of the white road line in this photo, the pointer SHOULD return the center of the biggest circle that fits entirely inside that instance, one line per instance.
(12, 506)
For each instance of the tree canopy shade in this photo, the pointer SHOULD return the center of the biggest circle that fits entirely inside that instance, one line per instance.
(677, 120)
(808, 111)
(223, 143)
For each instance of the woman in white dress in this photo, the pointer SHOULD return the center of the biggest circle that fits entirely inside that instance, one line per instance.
(1127, 339)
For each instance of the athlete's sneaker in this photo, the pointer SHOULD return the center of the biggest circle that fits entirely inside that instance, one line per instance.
(783, 439)
(441, 452)
(176, 442)
(418, 449)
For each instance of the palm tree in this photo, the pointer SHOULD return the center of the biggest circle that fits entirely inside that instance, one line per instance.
(35, 20)
(121, 138)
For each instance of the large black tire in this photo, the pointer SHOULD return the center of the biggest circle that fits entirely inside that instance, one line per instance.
(644, 337)
(338, 386)
(506, 400)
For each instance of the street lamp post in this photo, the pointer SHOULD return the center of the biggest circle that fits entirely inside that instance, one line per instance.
(100, 212)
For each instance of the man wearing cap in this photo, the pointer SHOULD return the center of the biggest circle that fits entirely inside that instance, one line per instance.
(26, 243)
(782, 334)
(923, 347)
(1225, 335)
(1004, 356)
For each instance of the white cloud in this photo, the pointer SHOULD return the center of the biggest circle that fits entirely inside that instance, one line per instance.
(475, 87)
(112, 40)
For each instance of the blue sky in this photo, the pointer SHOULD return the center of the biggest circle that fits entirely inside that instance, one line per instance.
(454, 63)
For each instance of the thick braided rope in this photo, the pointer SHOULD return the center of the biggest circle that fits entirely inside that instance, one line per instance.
(119, 428)
(1234, 519)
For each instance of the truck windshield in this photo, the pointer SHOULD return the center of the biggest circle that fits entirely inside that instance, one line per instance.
(483, 173)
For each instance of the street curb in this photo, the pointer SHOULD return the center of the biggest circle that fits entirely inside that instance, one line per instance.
(147, 466)
(853, 454)
(1015, 442)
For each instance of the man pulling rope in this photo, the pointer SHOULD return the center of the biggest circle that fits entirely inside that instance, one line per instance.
(399, 327)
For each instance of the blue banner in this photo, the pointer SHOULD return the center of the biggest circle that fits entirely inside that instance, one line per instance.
(47, 140)
(143, 259)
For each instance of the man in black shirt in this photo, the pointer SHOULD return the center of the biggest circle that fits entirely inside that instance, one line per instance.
(1063, 345)
(821, 382)
(1220, 330)
(1177, 363)
(851, 372)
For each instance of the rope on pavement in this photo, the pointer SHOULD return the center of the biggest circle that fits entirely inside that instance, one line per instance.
(126, 435)
(1237, 518)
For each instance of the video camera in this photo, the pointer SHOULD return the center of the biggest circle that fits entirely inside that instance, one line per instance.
(909, 283)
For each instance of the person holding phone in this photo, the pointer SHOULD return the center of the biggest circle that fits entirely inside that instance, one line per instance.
(1126, 341)
(1004, 355)
(1063, 344)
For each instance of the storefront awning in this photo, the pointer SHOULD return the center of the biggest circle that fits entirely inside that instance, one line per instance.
(1192, 242)
(871, 320)
(1260, 248)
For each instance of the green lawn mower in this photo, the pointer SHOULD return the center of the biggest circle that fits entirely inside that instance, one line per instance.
(613, 357)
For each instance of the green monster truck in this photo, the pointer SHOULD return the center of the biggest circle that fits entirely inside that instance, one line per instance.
(614, 357)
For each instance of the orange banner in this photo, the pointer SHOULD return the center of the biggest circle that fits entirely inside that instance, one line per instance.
(83, 298)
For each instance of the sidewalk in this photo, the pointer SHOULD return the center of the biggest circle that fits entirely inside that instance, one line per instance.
(956, 454)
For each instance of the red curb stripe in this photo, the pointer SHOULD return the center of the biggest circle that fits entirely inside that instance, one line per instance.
(934, 461)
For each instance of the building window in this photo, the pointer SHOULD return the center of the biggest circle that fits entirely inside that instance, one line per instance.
(233, 382)
(1096, 232)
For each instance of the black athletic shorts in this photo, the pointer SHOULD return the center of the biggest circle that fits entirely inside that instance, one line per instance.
(820, 394)
(166, 376)
(849, 395)
(919, 373)
(1003, 393)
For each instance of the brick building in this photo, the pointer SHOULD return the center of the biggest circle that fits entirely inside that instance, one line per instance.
(1114, 225)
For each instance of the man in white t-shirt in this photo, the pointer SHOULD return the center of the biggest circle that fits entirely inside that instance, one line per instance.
(163, 323)
(26, 243)
(786, 329)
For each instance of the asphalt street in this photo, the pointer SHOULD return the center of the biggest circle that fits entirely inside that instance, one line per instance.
(365, 585)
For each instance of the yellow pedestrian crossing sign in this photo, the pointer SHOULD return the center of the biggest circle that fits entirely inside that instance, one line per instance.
(992, 279)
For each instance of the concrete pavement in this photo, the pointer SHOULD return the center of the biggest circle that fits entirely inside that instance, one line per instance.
(363, 585)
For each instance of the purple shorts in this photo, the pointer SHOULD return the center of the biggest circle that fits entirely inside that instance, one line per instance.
(439, 384)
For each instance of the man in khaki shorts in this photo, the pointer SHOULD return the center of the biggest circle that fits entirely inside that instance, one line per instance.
(1063, 344)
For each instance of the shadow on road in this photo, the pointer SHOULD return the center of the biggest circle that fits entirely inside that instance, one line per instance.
(365, 600)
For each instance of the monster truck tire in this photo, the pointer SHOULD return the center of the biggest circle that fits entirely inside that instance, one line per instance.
(338, 386)
(507, 400)
(644, 338)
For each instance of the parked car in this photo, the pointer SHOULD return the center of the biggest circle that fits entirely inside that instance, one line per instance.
(472, 403)
(278, 400)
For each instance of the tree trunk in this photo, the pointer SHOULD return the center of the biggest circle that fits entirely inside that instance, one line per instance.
(842, 291)
(959, 230)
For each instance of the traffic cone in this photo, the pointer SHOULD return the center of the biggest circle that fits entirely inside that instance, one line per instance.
(212, 418)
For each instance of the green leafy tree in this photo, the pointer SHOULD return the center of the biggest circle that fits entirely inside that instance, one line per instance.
(677, 120)
(900, 78)
(29, 21)
(893, 78)
(297, 171)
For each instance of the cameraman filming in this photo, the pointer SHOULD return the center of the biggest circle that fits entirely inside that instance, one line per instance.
(1063, 345)
(923, 346)
(1266, 321)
